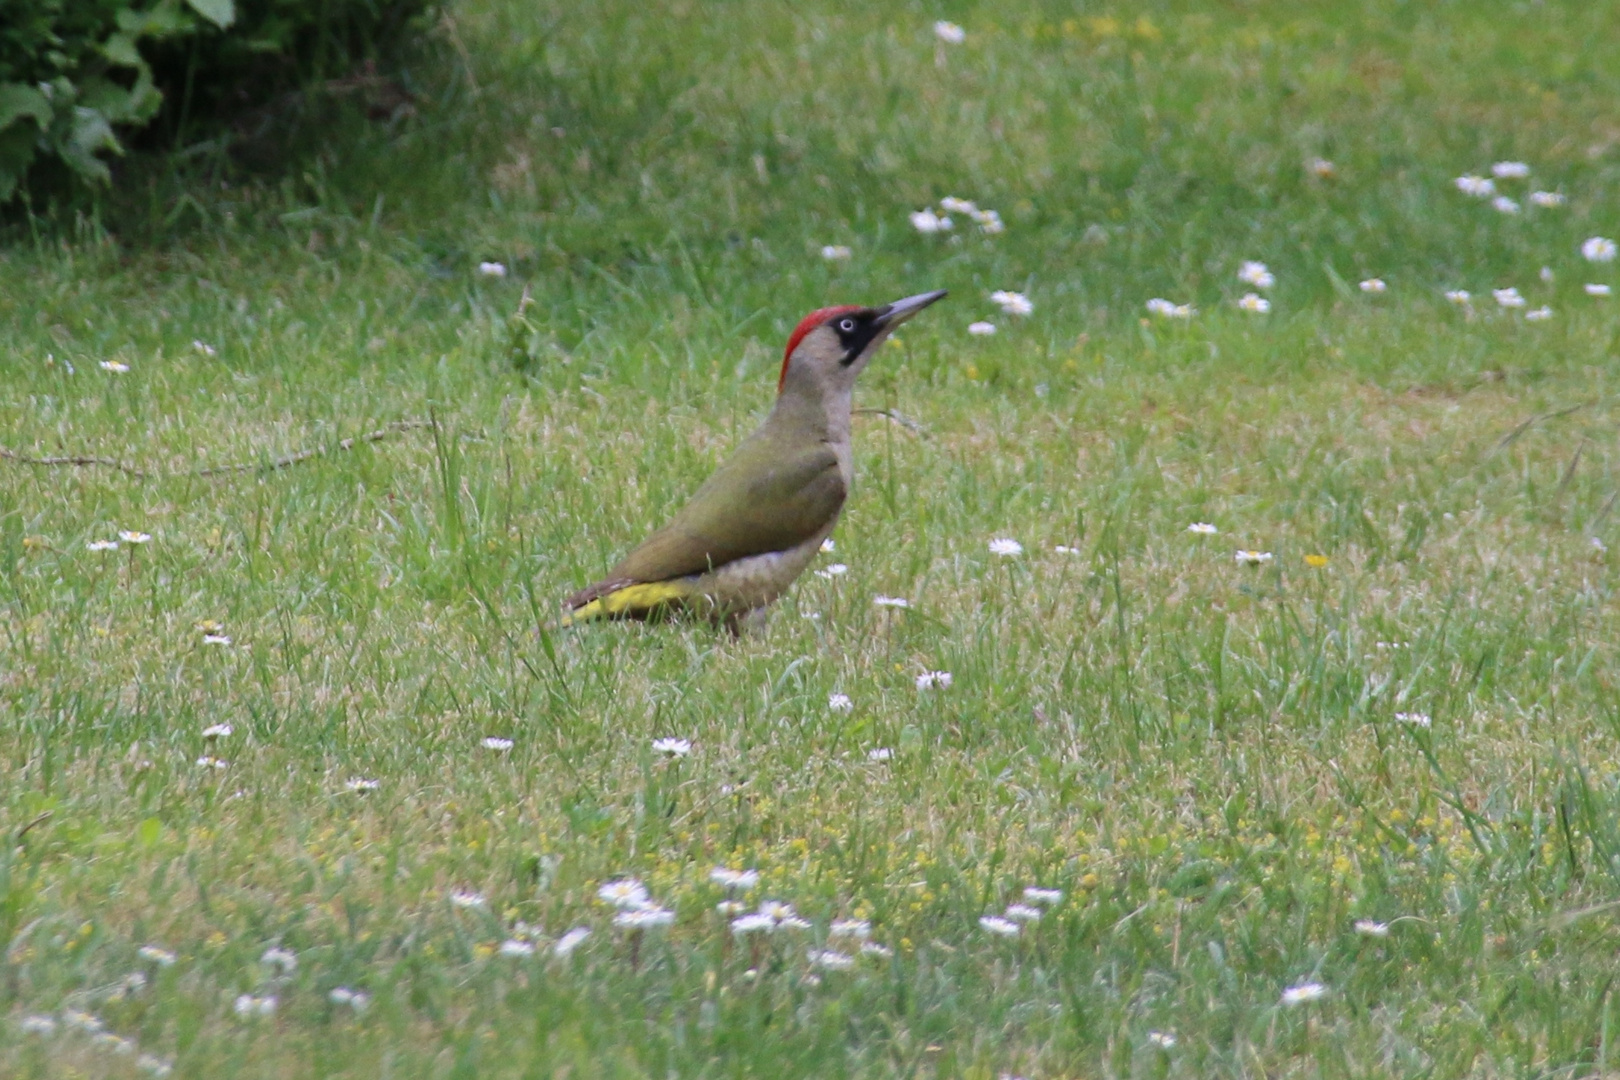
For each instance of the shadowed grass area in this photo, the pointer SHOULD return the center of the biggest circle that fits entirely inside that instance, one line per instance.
(1381, 761)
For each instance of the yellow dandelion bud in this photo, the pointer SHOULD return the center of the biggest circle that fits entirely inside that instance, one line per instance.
(1317, 561)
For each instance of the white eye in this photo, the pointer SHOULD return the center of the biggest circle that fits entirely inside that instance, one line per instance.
(846, 325)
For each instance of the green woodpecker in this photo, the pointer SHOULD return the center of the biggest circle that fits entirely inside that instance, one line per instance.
(754, 525)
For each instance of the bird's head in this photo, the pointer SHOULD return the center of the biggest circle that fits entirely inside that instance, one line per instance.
(830, 347)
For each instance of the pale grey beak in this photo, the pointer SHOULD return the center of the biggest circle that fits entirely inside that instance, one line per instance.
(898, 312)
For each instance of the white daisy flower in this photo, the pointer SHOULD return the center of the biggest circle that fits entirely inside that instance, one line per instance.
(1006, 548)
(354, 999)
(1546, 274)
(1254, 302)
(782, 914)
(1298, 995)
(283, 960)
(840, 703)
(835, 253)
(1539, 314)
(216, 639)
(930, 679)
(995, 924)
(1547, 199)
(1504, 205)
(981, 329)
(1256, 274)
(872, 948)
(672, 747)
(881, 753)
(1162, 1039)
(730, 907)
(131, 536)
(1322, 168)
(117, 367)
(1374, 285)
(1477, 186)
(831, 960)
(1598, 249)
(1160, 306)
(248, 1005)
(1458, 296)
(1023, 913)
(1012, 303)
(37, 1025)
(217, 731)
(117, 1044)
(514, 947)
(727, 878)
(204, 348)
(644, 918)
(1252, 558)
(496, 743)
(82, 1021)
(468, 900)
(1596, 289)
(160, 956)
(857, 929)
(949, 32)
(1510, 170)
(748, 924)
(837, 569)
(1065, 549)
(1370, 928)
(926, 221)
(1416, 719)
(1202, 528)
(1508, 298)
(101, 545)
(891, 601)
(1037, 895)
(570, 941)
(954, 205)
(207, 762)
(492, 269)
(360, 784)
(624, 893)
(989, 222)
(828, 546)
(153, 1065)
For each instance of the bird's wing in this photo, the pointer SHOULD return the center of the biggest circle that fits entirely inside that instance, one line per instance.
(753, 504)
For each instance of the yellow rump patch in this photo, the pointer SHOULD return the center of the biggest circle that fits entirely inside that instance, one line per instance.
(631, 600)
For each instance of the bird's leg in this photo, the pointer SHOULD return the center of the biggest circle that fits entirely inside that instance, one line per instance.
(750, 622)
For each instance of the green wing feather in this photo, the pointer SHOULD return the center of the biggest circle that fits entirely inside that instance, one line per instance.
(757, 502)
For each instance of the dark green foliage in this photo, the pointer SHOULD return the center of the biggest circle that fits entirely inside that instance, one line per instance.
(79, 77)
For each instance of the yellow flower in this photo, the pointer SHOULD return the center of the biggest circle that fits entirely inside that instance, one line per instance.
(1317, 561)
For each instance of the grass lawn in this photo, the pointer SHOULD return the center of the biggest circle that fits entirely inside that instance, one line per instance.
(1353, 810)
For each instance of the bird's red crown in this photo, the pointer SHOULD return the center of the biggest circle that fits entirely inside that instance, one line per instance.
(807, 324)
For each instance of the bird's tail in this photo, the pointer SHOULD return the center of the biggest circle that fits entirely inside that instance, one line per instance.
(630, 602)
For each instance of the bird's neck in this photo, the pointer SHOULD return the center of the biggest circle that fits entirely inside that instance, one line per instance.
(822, 417)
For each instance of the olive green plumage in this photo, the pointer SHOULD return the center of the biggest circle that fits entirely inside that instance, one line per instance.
(757, 522)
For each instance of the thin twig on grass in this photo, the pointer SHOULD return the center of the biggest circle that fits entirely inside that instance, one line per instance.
(1513, 436)
(284, 462)
(899, 418)
(70, 459)
(304, 455)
